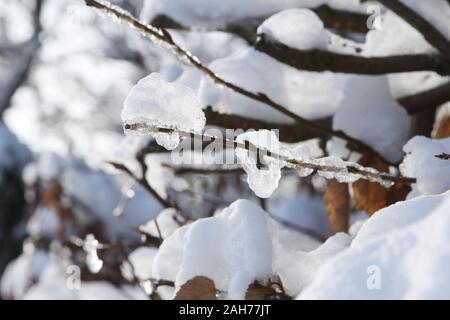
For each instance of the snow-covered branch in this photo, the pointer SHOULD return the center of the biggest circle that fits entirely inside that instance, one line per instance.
(429, 32)
(322, 60)
(344, 171)
(163, 38)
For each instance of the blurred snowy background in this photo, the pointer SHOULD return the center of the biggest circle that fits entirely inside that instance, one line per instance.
(65, 72)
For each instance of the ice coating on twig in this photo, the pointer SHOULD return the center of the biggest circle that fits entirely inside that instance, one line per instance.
(263, 171)
(158, 103)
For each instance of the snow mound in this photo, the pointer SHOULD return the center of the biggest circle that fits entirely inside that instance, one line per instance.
(420, 162)
(399, 253)
(369, 113)
(159, 103)
(237, 247)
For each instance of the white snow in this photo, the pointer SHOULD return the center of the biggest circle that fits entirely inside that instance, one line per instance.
(166, 223)
(399, 253)
(309, 94)
(90, 246)
(298, 28)
(235, 248)
(396, 36)
(420, 162)
(302, 29)
(297, 269)
(160, 103)
(142, 261)
(15, 280)
(369, 113)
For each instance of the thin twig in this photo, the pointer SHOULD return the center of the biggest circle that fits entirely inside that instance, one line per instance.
(143, 182)
(162, 37)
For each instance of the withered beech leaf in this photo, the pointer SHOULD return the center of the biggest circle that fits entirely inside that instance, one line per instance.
(371, 196)
(443, 128)
(272, 290)
(198, 288)
(337, 201)
(257, 291)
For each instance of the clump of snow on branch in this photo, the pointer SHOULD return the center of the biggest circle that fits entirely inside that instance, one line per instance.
(431, 172)
(400, 251)
(235, 248)
(299, 28)
(158, 103)
(308, 94)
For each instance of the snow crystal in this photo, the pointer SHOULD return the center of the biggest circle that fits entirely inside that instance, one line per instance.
(159, 103)
(298, 28)
(368, 104)
(309, 94)
(263, 181)
(432, 173)
(399, 253)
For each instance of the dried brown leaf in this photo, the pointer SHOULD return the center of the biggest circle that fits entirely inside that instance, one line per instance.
(443, 129)
(257, 291)
(337, 201)
(198, 288)
(371, 196)
(272, 290)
